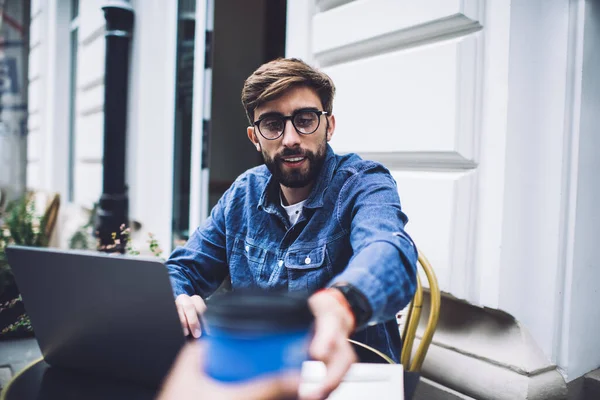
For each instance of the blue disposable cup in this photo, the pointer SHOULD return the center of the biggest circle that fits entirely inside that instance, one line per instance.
(250, 334)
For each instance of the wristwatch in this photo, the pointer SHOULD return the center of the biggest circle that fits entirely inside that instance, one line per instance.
(358, 303)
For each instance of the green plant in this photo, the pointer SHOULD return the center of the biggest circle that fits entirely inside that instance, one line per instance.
(22, 323)
(122, 241)
(6, 277)
(126, 237)
(154, 245)
(125, 240)
(20, 224)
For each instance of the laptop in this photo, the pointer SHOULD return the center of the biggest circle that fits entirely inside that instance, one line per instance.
(108, 315)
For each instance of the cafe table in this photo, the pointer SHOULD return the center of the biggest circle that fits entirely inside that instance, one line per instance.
(40, 381)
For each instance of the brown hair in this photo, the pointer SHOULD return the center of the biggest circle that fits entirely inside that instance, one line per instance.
(274, 78)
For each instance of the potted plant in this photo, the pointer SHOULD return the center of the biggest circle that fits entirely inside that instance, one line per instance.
(20, 224)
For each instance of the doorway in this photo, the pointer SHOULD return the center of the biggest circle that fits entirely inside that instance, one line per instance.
(246, 34)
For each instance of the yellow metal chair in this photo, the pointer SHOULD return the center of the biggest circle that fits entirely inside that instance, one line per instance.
(413, 364)
(414, 315)
(44, 204)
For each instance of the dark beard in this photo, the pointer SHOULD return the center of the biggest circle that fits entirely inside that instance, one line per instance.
(296, 179)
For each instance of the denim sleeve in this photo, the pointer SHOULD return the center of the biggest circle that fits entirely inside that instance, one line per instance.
(383, 266)
(200, 266)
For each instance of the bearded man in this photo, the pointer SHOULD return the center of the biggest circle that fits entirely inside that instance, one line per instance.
(309, 221)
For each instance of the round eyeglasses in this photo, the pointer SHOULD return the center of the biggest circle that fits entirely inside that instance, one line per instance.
(305, 122)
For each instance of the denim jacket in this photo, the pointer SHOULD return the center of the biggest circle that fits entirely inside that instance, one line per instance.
(351, 230)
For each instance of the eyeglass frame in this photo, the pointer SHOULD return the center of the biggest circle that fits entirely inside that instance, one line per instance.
(285, 119)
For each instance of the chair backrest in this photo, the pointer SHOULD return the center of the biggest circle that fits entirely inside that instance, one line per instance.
(47, 205)
(44, 204)
(413, 316)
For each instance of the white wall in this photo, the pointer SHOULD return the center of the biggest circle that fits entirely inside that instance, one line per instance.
(476, 102)
(89, 119)
(151, 118)
(35, 90)
(582, 308)
(407, 82)
(533, 168)
(47, 143)
(548, 277)
(49, 105)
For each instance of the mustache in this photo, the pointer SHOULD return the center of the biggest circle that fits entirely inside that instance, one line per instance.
(288, 152)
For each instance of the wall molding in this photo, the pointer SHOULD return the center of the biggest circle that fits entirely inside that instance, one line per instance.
(91, 84)
(325, 5)
(470, 87)
(448, 28)
(469, 93)
(506, 365)
(90, 160)
(490, 381)
(92, 110)
(491, 156)
(569, 181)
(95, 34)
(442, 161)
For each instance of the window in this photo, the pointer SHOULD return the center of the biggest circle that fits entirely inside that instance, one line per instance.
(183, 120)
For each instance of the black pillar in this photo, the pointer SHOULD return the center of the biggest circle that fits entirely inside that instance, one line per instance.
(113, 206)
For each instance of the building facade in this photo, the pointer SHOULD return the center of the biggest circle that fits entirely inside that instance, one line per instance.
(484, 111)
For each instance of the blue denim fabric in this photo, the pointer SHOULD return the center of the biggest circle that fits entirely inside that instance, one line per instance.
(351, 230)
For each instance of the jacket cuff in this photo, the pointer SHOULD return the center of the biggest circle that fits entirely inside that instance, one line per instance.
(380, 272)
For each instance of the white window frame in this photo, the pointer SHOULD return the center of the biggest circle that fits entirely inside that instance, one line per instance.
(54, 118)
(72, 72)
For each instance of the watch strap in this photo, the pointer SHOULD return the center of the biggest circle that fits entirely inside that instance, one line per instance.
(358, 304)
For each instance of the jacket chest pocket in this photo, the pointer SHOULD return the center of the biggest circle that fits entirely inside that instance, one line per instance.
(246, 262)
(308, 269)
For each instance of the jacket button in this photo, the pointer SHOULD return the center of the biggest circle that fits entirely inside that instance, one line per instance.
(247, 248)
(280, 263)
(307, 260)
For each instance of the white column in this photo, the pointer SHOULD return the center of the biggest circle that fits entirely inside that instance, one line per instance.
(151, 118)
(580, 326)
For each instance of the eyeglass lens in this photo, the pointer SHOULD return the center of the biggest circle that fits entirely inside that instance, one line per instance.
(305, 122)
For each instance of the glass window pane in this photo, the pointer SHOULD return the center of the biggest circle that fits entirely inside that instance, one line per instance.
(183, 120)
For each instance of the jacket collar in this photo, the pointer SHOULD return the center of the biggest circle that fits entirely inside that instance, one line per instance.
(269, 200)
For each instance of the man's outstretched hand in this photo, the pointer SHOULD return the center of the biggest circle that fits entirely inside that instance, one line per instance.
(333, 325)
(188, 308)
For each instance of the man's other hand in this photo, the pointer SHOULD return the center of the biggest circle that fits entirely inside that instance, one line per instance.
(187, 381)
(188, 308)
(333, 325)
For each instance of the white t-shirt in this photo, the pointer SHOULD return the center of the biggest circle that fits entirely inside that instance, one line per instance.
(293, 211)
